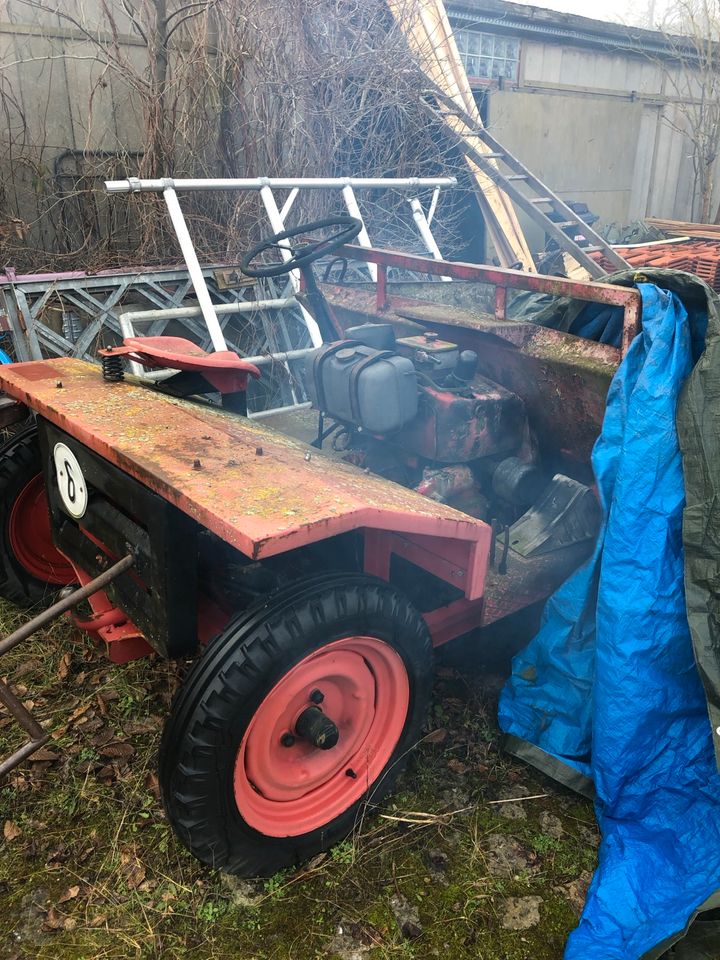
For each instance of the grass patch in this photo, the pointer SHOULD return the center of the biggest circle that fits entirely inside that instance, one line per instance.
(89, 867)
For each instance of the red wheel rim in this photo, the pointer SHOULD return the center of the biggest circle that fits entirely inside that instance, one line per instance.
(30, 536)
(286, 791)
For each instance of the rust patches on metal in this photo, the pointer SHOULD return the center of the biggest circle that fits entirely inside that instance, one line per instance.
(264, 504)
(591, 292)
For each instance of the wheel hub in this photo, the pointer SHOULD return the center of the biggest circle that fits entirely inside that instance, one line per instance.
(312, 725)
(301, 765)
(31, 539)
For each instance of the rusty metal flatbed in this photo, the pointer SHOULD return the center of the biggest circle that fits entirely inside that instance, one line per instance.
(254, 487)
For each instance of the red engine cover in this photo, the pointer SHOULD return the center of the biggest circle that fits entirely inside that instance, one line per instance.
(450, 428)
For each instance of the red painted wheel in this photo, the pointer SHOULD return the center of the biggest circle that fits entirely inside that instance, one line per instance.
(30, 536)
(31, 567)
(285, 785)
(305, 707)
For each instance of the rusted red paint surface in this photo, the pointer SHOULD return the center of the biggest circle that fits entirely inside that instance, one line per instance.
(503, 280)
(562, 379)
(223, 369)
(262, 492)
(449, 428)
(526, 581)
(458, 563)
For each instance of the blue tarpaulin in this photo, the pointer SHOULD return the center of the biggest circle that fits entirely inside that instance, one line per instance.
(609, 687)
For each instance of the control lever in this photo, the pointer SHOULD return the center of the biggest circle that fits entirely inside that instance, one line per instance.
(422, 356)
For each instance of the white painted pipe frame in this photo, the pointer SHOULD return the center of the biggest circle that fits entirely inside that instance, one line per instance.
(168, 187)
(235, 306)
(362, 238)
(426, 233)
(135, 185)
(196, 274)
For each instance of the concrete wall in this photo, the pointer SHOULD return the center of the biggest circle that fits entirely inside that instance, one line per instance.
(65, 98)
(593, 124)
(56, 96)
(597, 127)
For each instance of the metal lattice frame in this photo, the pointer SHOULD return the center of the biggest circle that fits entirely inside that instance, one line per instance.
(99, 302)
(100, 299)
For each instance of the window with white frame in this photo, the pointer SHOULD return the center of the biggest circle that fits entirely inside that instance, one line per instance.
(486, 56)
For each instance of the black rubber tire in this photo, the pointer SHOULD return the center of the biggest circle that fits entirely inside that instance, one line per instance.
(19, 464)
(225, 687)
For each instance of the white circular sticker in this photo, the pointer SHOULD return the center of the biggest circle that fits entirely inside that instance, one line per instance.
(70, 480)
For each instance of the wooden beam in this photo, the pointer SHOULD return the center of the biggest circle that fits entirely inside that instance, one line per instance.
(430, 37)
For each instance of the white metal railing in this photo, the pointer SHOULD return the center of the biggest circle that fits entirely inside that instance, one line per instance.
(169, 188)
(131, 318)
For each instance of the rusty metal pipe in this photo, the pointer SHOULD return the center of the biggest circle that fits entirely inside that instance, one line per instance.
(67, 603)
(20, 712)
(12, 703)
(26, 750)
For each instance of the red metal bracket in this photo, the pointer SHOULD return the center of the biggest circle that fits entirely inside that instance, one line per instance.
(504, 280)
(461, 563)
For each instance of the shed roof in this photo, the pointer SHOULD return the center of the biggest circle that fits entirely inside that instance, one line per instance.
(566, 28)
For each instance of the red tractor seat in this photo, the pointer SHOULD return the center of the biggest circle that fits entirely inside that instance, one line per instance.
(224, 369)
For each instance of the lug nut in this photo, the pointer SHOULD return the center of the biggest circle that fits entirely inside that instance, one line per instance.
(287, 740)
(317, 696)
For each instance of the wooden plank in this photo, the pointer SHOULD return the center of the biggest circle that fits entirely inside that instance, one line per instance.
(683, 228)
(429, 35)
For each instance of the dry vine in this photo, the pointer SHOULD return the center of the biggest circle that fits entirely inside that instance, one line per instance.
(239, 88)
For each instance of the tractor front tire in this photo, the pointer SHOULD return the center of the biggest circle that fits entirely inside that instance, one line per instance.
(300, 712)
(32, 570)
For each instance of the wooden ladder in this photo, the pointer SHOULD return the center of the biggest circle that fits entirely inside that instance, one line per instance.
(525, 189)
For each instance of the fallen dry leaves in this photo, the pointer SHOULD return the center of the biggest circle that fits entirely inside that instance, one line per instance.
(70, 894)
(133, 870)
(64, 666)
(117, 749)
(58, 921)
(11, 831)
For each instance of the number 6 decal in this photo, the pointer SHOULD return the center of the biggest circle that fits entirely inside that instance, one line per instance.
(70, 481)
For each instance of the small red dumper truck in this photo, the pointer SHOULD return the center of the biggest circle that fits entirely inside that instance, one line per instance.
(309, 566)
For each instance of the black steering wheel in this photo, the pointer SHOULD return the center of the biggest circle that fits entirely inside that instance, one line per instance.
(346, 229)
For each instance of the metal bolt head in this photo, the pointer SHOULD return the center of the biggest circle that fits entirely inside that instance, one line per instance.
(287, 740)
(317, 696)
